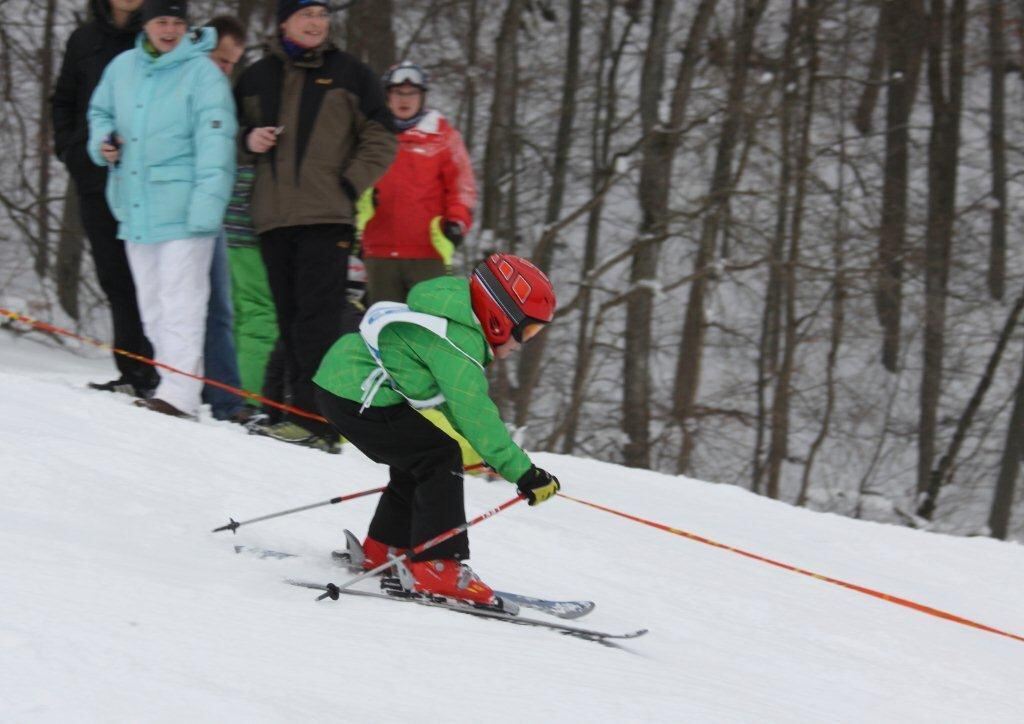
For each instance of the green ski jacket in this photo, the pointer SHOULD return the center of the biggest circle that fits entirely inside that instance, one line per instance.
(423, 365)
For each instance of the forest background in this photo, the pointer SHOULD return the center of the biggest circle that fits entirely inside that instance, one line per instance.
(784, 233)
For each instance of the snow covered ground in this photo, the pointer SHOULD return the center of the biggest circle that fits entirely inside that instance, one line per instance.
(117, 603)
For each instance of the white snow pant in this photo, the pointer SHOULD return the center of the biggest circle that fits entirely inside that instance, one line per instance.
(172, 283)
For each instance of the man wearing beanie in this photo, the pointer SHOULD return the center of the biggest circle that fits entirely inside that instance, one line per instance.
(314, 122)
(163, 121)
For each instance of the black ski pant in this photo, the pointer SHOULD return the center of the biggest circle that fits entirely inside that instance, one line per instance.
(115, 278)
(424, 496)
(307, 267)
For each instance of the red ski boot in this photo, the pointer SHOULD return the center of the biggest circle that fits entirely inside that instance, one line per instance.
(375, 553)
(451, 579)
(370, 554)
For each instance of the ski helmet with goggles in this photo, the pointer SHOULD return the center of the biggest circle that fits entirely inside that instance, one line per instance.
(511, 298)
(406, 72)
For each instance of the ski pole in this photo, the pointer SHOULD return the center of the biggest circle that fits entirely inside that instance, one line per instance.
(332, 589)
(234, 524)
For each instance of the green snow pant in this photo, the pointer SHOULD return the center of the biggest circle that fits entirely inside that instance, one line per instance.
(255, 319)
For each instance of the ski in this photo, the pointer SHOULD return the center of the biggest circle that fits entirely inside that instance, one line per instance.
(560, 609)
(333, 592)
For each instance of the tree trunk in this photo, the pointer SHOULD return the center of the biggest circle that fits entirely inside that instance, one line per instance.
(905, 24)
(803, 25)
(997, 144)
(605, 120)
(498, 153)
(69, 253)
(369, 34)
(862, 119)
(1009, 466)
(838, 314)
(636, 402)
(566, 119)
(691, 347)
(944, 470)
(45, 146)
(543, 254)
(469, 89)
(946, 91)
(771, 316)
(661, 140)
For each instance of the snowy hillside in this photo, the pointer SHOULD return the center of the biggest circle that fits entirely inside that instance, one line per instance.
(117, 603)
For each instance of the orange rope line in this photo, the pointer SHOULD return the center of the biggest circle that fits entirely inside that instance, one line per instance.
(692, 536)
(46, 327)
(921, 608)
(53, 329)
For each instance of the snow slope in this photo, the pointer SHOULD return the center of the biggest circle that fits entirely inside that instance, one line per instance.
(117, 603)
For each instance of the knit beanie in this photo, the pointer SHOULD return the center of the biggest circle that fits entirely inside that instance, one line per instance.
(160, 8)
(287, 8)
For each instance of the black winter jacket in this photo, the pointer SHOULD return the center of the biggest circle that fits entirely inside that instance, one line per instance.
(337, 139)
(89, 49)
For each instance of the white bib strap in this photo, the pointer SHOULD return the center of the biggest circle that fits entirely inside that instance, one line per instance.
(376, 318)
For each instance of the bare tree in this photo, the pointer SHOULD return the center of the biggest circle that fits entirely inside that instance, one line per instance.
(605, 118)
(691, 347)
(369, 33)
(945, 85)
(904, 25)
(500, 134)
(44, 145)
(943, 471)
(69, 253)
(803, 26)
(997, 144)
(1009, 466)
(543, 253)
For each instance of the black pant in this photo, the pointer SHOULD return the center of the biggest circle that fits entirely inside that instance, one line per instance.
(115, 278)
(307, 267)
(424, 496)
(277, 385)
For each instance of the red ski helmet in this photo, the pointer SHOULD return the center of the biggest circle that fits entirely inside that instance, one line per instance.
(511, 298)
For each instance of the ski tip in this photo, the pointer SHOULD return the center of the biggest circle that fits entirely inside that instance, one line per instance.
(579, 610)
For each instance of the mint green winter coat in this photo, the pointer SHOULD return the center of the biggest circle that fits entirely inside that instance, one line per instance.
(176, 118)
(422, 365)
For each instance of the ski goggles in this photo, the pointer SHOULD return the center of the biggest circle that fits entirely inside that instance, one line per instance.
(526, 331)
(407, 74)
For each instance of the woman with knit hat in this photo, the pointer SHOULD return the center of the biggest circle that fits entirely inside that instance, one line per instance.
(163, 120)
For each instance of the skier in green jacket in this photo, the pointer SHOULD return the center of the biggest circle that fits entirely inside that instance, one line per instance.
(432, 352)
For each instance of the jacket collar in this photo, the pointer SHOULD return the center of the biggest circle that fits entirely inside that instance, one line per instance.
(430, 123)
(313, 58)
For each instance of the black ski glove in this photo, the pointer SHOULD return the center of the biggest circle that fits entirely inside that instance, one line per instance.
(537, 485)
(453, 230)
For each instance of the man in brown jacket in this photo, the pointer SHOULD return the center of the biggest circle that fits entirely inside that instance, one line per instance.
(315, 123)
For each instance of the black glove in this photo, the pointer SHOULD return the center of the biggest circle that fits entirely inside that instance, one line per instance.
(537, 485)
(453, 230)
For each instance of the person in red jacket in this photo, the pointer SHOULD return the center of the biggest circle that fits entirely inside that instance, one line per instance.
(421, 209)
